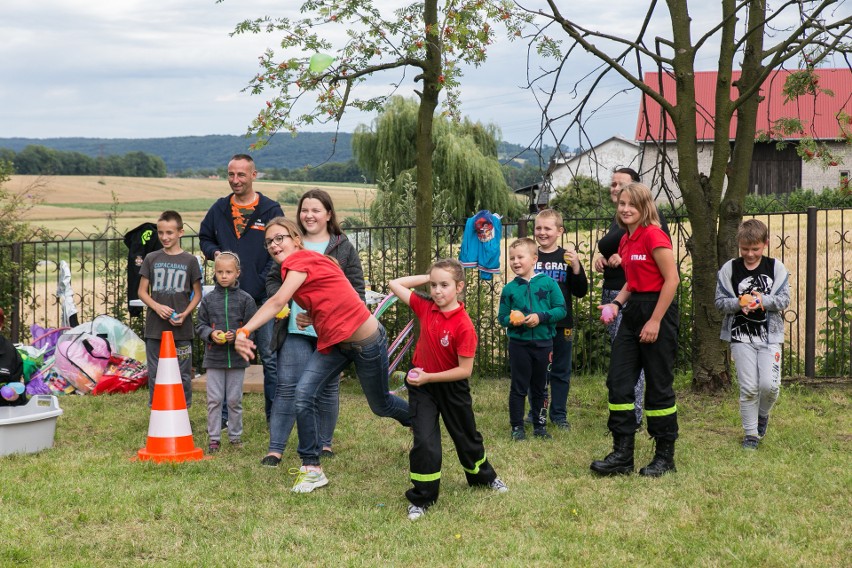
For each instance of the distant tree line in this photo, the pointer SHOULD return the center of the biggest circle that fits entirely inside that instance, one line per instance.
(285, 157)
(515, 174)
(40, 160)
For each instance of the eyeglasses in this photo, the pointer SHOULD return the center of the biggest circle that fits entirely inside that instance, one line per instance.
(277, 239)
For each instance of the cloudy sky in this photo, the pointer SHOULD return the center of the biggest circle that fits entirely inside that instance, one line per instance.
(142, 69)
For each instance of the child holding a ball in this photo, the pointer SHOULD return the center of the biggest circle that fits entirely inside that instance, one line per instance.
(170, 285)
(221, 313)
(438, 385)
(530, 307)
(751, 292)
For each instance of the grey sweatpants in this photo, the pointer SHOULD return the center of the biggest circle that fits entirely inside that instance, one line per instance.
(183, 350)
(225, 385)
(759, 375)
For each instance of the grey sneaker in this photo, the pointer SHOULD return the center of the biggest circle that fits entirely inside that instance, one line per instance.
(415, 512)
(518, 434)
(498, 486)
(565, 426)
(213, 446)
(762, 423)
(750, 442)
(307, 480)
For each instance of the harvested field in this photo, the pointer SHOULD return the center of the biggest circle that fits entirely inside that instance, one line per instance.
(83, 202)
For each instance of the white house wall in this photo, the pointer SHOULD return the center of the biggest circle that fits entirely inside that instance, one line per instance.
(597, 164)
(816, 178)
(813, 175)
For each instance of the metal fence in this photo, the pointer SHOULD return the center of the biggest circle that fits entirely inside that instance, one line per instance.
(816, 247)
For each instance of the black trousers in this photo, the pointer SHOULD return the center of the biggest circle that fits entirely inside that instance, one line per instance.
(528, 365)
(451, 401)
(629, 356)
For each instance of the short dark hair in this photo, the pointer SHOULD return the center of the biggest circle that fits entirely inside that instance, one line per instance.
(170, 215)
(629, 171)
(245, 157)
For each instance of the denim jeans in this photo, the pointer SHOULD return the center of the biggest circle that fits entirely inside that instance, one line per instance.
(370, 357)
(269, 360)
(292, 359)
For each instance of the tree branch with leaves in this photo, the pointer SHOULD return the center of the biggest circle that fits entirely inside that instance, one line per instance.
(752, 35)
(351, 41)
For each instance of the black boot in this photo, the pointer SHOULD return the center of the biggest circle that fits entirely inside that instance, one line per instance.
(663, 460)
(620, 460)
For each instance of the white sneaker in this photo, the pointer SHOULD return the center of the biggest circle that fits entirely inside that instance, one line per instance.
(415, 512)
(307, 480)
(498, 486)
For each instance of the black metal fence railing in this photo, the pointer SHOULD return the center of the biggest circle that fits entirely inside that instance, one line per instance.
(816, 247)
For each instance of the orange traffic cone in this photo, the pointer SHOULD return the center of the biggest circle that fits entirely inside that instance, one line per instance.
(169, 431)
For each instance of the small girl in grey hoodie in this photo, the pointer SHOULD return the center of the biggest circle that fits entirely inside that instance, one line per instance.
(220, 314)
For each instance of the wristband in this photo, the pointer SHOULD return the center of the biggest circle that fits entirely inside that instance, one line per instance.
(617, 304)
(244, 331)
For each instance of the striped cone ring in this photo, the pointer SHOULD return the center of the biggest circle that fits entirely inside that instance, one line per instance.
(169, 431)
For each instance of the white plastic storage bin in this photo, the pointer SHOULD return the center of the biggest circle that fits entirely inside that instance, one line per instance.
(30, 428)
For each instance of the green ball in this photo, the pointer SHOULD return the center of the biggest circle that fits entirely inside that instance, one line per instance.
(320, 62)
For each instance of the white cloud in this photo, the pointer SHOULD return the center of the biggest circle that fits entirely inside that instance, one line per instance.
(135, 68)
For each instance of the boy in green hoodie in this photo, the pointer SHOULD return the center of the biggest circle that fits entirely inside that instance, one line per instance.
(530, 307)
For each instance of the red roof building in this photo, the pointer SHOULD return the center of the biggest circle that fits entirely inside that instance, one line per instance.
(773, 171)
(818, 114)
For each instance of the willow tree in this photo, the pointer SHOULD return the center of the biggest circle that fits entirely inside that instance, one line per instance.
(749, 34)
(326, 57)
(466, 172)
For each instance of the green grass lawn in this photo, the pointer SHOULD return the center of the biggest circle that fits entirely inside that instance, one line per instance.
(87, 503)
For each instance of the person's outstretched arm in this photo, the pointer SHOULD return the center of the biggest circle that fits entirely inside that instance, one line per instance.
(245, 346)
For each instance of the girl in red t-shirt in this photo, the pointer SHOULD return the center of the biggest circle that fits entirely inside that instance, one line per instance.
(646, 339)
(346, 333)
(438, 386)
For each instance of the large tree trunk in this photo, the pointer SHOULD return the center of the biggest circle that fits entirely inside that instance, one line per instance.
(710, 363)
(709, 354)
(425, 143)
(731, 210)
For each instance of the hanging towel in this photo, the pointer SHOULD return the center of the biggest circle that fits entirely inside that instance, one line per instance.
(481, 244)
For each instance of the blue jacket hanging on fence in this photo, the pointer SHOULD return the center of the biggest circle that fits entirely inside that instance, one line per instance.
(481, 244)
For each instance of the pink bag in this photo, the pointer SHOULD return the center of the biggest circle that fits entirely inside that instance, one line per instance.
(81, 359)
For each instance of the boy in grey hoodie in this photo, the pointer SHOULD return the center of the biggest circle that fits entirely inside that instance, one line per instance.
(221, 313)
(752, 291)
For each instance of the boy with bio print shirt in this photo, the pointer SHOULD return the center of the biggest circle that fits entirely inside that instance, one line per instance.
(174, 279)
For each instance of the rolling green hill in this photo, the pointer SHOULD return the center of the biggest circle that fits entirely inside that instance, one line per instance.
(207, 152)
(213, 151)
